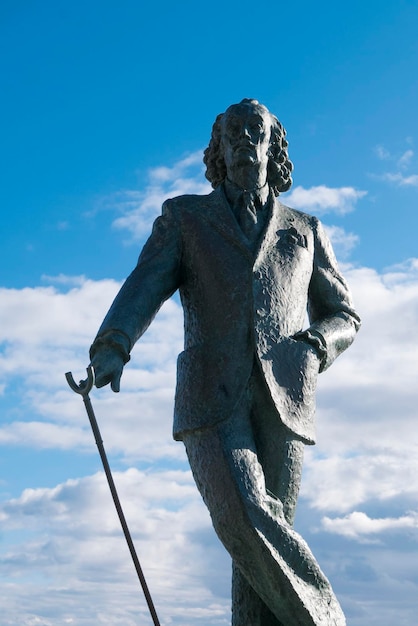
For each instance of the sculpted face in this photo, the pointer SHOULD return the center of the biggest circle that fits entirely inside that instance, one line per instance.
(246, 130)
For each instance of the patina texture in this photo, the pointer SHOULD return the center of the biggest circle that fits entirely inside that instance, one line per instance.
(248, 269)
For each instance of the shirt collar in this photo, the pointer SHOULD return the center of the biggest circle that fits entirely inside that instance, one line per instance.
(234, 193)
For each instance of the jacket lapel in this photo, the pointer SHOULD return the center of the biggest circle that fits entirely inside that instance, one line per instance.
(221, 217)
(281, 220)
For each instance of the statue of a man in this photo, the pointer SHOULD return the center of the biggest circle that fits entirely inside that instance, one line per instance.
(247, 269)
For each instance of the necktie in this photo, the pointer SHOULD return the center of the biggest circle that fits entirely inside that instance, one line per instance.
(248, 214)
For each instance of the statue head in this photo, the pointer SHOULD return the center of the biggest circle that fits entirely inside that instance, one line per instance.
(246, 139)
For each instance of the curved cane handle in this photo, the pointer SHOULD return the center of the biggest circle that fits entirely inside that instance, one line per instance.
(85, 386)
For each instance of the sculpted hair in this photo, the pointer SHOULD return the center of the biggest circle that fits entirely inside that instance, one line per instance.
(279, 166)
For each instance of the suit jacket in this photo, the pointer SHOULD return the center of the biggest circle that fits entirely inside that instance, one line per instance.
(238, 306)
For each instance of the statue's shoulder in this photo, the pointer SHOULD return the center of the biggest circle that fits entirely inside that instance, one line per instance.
(192, 203)
(303, 220)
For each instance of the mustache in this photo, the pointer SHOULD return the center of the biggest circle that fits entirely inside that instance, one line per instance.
(246, 145)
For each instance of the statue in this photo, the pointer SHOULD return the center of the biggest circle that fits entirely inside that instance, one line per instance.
(247, 269)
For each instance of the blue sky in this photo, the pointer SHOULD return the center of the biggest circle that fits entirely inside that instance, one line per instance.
(105, 110)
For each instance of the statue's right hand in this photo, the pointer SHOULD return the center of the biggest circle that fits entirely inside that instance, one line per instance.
(108, 367)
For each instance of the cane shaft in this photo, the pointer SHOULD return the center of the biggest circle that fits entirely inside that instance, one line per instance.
(83, 389)
(99, 442)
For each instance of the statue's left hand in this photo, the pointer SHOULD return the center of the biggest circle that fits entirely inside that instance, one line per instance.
(313, 341)
(108, 367)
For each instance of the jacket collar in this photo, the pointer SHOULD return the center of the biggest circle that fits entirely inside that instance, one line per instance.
(221, 216)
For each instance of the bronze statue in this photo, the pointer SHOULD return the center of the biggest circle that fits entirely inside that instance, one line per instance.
(247, 269)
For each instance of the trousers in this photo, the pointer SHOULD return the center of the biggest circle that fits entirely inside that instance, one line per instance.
(248, 471)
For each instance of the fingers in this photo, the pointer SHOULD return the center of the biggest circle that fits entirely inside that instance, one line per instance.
(112, 377)
(108, 368)
(115, 382)
(101, 380)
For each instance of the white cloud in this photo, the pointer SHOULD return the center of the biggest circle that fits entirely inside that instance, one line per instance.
(45, 332)
(405, 158)
(400, 164)
(65, 280)
(45, 315)
(45, 435)
(63, 225)
(71, 555)
(62, 553)
(342, 242)
(382, 153)
(140, 208)
(358, 525)
(344, 480)
(323, 199)
(165, 174)
(401, 179)
(367, 401)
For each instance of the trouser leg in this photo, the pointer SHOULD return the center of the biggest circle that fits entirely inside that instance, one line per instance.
(274, 559)
(281, 457)
(248, 609)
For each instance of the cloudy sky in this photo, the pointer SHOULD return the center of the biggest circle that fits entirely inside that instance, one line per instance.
(106, 108)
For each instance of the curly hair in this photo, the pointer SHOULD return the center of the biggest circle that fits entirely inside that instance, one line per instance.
(279, 166)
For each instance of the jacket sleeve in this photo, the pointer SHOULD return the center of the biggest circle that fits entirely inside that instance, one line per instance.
(155, 278)
(333, 320)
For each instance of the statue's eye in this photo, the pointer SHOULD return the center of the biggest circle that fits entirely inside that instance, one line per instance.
(257, 127)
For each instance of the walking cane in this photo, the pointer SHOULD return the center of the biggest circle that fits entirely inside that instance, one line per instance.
(84, 389)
